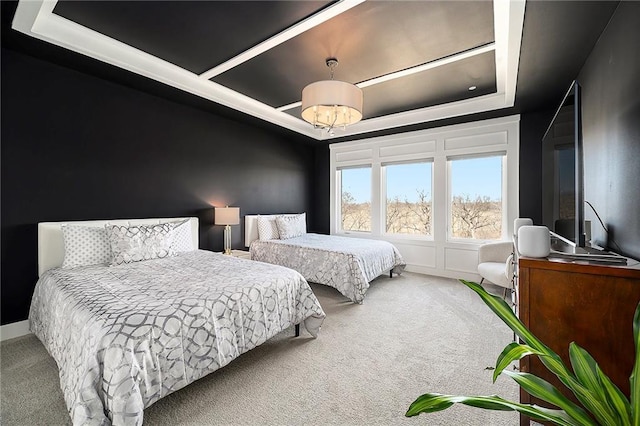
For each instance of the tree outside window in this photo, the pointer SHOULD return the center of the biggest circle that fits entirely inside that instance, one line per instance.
(355, 199)
(476, 197)
(409, 203)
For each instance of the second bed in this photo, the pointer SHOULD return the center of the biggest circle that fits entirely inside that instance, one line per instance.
(344, 263)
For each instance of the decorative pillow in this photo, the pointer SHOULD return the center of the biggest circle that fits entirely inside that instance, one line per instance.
(267, 228)
(84, 246)
(182, 240)
(143, 242)
(291, 226)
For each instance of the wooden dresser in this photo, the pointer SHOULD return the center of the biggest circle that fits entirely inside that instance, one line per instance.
(593, 305)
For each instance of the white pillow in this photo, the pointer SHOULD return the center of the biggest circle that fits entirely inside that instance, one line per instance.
(84, 246)
(142, 242)
(291, 226)
(182, 240)
(267, 228)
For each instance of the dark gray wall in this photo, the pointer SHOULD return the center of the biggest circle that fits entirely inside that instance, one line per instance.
(322, 189)
(532, 128)
(611, 131)
(77, 147)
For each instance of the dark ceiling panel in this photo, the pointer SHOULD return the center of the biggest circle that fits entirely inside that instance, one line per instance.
(196, 35)
(448, 83)
(372, 39)
(557, 38)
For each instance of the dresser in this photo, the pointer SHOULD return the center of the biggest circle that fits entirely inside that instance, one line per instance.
(593, 305)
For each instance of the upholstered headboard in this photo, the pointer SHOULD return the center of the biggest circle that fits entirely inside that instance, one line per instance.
(250, 229)
(51, 244)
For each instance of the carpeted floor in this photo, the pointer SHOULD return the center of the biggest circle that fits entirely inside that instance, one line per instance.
(413, 334)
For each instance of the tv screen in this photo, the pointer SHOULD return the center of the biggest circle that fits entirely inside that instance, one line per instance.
(562, 184)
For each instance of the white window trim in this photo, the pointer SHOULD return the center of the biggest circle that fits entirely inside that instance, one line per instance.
(436, 255)
(383, 198)
(504, 195)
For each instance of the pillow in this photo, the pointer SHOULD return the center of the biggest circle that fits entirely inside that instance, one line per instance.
(84, 246)
(142, 242)
(267, 228)
(182, 240)
(292, 225)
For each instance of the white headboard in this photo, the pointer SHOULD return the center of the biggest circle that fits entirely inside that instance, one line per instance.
(250, 229)
(51, 244)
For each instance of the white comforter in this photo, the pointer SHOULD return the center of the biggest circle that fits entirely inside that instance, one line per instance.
(125, 336)
(345, 263)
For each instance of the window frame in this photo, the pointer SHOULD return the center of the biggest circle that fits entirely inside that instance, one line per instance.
(338, 177)
(503, 196)
(439, 255)
(383, 198)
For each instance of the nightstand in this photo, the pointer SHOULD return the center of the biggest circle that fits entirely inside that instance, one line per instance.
(241, 254)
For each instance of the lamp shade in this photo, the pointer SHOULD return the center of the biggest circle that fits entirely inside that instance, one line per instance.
(331, 103)
(227, 215)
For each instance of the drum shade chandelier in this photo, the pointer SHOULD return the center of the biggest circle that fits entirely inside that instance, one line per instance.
(328, 104)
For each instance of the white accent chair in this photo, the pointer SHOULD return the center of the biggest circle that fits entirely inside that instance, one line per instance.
(495, 264)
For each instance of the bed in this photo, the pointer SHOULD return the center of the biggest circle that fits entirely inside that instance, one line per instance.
(126, 335)
(344, 263)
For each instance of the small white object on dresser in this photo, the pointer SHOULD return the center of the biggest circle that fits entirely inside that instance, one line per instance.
(241, 254)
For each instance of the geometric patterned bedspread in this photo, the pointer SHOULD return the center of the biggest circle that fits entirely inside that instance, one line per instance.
(125, 336)
(345, 263)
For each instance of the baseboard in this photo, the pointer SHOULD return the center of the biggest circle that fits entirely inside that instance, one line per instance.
(15, 329)
(420, 269)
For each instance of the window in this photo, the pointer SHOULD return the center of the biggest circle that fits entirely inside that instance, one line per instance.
(476, 197)
(408, 207)
(355, 199)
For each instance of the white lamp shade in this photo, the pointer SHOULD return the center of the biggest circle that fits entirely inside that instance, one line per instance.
(331, 103)
(227, 215)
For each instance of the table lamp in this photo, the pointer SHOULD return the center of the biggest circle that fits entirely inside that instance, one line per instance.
(227, 216)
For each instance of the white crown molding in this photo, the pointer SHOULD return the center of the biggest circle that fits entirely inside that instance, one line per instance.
(36, 18)
(289, 33)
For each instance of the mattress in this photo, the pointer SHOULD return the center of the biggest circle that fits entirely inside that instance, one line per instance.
(125, 336)
(345, 263)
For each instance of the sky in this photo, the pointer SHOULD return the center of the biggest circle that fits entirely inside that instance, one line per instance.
(472, 176)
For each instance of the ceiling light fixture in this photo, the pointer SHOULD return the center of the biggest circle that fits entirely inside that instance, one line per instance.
(328, 104)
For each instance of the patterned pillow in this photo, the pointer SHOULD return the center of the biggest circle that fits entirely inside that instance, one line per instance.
(142, 242)
(182, 240)
(267, 228)
(84, 246)
(292, 226)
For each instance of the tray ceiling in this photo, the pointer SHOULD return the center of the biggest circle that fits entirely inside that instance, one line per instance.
(414, 60)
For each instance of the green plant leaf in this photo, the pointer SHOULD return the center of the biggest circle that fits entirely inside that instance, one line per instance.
(551, 360)
(584, 367)
(504, 311)
(586, 370)
(591, 402)
(512, 352)
(432, 402)
(615, 397)
(634, 379)
(545, 391)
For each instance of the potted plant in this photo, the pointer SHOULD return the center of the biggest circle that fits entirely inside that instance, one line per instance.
(602, 402)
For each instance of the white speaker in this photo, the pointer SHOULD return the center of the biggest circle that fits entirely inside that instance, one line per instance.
(534, 241)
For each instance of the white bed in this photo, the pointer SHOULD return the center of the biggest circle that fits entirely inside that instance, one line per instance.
(344, 263)
(125, 336)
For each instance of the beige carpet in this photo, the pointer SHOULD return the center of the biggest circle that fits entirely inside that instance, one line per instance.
(413, 334)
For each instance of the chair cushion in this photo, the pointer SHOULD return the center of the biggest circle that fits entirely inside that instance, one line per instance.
(494, 272)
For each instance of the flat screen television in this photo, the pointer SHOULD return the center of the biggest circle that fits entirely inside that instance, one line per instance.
(562, 174)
